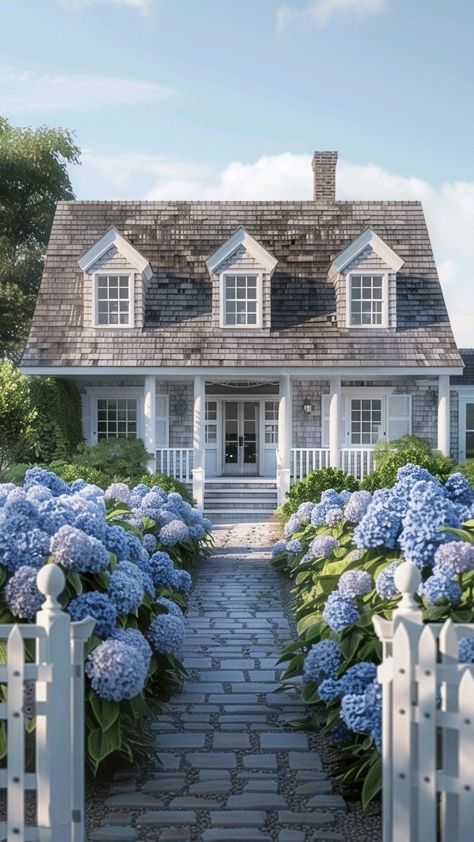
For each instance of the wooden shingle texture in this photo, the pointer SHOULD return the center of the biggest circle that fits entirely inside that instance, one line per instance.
(178, 237)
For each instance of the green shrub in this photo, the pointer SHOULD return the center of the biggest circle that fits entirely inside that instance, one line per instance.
(390, 456)
(468, 470)
(120, 460)
(70, 472)
(168, 484)
(15, 473)
(312, 486)
(17, 416)
(58, 428)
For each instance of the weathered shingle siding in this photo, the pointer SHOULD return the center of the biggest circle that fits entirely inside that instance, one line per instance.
(177, 238)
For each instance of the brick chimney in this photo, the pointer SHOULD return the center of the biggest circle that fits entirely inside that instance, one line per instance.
(324, 177)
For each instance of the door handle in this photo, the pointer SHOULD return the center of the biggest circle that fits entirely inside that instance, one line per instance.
(241, 441)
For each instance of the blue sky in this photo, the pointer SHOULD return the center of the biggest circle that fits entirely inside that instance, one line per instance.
(221, 99)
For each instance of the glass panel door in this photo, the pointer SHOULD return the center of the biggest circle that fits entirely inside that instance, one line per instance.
(470, 431)
(240, 437)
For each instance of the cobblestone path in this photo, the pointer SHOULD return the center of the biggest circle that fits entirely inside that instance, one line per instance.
(232, 769)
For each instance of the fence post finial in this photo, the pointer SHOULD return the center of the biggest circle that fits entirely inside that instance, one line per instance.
(407, 579)
(51, 582)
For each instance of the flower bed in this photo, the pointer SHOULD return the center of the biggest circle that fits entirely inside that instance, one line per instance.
(124, 553)
(342, 553)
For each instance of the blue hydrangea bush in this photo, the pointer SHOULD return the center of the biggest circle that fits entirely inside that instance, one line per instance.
(124, 553)
(342, 553)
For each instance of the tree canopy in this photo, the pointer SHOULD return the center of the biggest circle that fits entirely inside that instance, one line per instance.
(33, 177)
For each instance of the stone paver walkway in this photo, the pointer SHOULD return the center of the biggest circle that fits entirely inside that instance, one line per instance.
(232, 768)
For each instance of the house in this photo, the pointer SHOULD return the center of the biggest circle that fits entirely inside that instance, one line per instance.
(250, 342)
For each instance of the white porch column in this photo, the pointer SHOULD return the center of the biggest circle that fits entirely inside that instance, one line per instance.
(335, 422)
(284, 438)
(149, 420)
(443, 414)
(199, 439)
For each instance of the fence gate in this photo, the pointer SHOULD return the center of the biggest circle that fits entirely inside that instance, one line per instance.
(428, 724)
(44, 681)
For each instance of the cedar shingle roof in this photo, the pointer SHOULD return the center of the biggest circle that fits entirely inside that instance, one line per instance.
(178, 237)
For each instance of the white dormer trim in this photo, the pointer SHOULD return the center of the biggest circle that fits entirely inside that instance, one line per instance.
(113, 238)
(366, 239)
(241, 238)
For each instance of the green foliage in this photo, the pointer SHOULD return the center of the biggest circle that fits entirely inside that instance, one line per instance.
(390, 456)
(33, 178)
(121, 460)
(468, 470)
(69, 472)
(17, 416)
(15, 473)
(168, 484)
(312, 486)
(58, 428)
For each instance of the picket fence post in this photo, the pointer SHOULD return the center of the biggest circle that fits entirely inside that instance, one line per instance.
(428, 723)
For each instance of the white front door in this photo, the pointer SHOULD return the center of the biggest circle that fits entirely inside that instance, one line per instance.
(241, 439)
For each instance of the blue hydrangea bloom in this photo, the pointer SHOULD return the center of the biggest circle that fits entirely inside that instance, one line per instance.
(305, 511)
(77, 551)
(182, 581)
(279, 548)
(5, 488)
(37, 493)
(410, 473)
(126, 587)
(196, 531)
(207, 524)
(166, 634)
(40, 476)
(17, 508)
(438, 588)
(115, 671)
(428, 510)
(323, 546)
(334, 515)
(29, 548)
(357, 506)
(354, 583)
(358, 677)
(22, 594)
(466, 650)
(459, 489)
(150, 543)
(97, 605)
(322, 661)
(136, 640)
(330, 690)
(362, 713)
(118, 491)
(292, 525)
(294, 546)
(174, 533)
(454, 558)
(162, 569)
(318, 514)
(381, 525)
(385, 582)
(172, 607)
(116, 541)
(332, 498)
(77, 485)
(340, 734)
(339, 613)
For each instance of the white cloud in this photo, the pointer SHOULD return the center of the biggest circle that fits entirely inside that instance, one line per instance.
(140, 5)
(320, 12)
(449, 208)
(28, 92)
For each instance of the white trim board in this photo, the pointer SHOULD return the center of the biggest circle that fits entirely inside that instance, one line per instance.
(112, 237)
(241, 238)
(366, 239)
(246, 371)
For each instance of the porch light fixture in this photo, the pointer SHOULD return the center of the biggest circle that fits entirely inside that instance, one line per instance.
(307, 406)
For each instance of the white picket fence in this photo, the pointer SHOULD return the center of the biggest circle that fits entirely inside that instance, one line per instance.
(57, 674)
(428, 724)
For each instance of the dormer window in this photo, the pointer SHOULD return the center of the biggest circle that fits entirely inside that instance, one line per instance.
(367, 300)
(114, 300)
(241, 300)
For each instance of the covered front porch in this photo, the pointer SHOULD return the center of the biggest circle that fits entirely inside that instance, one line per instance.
(202, 428)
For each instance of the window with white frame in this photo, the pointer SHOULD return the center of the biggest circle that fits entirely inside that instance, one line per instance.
(271, 422)
(240, 305)
(211, 422)
(116, 418)
(366, 300)
(113, 300)
(366, 421)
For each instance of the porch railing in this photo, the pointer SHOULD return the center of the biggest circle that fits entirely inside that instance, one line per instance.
(176, 462)
(358, 461)
(306, 459)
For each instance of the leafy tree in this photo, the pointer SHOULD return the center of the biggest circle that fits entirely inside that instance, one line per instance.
(33, 178)
(17, 415)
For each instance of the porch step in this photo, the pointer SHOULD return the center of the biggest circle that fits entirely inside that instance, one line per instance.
(240, 499)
